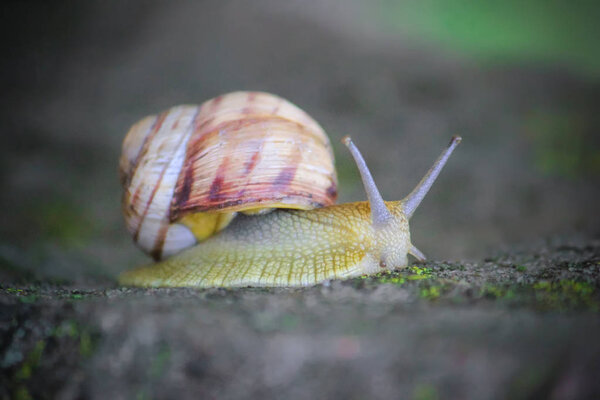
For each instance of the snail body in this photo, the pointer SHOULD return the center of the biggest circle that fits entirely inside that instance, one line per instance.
(284, 248)
(298, 246)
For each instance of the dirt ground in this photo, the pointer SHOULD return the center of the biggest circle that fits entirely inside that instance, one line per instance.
(507, 308)
(519, 325)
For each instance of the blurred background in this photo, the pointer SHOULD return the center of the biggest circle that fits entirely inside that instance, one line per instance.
(520, 81)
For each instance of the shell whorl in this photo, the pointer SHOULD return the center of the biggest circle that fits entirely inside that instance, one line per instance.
(240, 151)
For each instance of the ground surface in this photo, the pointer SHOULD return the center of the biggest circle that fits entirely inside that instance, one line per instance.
(518, 325)
(518, 319)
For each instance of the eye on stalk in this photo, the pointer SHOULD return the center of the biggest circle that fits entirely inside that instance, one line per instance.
(380, 215)
(412, 201)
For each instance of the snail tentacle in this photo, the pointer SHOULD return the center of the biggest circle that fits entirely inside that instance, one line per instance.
(416, 253)
(412, 201)
(380, 215)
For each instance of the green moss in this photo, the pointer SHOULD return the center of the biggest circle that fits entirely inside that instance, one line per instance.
(386, 277)
(65, 338)
(544, 295)
(83, 335)
(31, 361)
(561, 295)
(396, 280)
(542, 285)
(86, 345)
(451, 267)
(414, 277)
(566, 294)
(68, 328)
(430, 293)
(504, 292)
(415, 273)
(24, 296)
(419, 273)
(28, 299)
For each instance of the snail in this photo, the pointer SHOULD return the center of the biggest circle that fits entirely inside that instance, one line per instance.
(277, 228)
(188, 171)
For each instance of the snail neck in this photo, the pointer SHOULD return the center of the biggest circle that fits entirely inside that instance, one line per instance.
(392, 239)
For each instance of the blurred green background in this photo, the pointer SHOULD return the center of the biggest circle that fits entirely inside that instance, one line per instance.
(555, 32)
(520, 81)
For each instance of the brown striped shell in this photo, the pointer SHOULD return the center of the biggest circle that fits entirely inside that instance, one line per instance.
(187, 171)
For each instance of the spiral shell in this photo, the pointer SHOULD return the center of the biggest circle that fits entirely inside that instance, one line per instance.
(187, 171)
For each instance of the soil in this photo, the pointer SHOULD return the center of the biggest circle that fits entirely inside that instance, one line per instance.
(509, 314)
(516, 325)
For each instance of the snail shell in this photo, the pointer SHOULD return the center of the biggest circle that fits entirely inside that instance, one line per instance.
(187, 171)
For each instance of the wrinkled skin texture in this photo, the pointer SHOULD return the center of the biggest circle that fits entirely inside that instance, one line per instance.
(286, 248)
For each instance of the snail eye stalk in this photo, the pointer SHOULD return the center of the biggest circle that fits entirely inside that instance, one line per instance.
(412, 201)
(380, 215)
